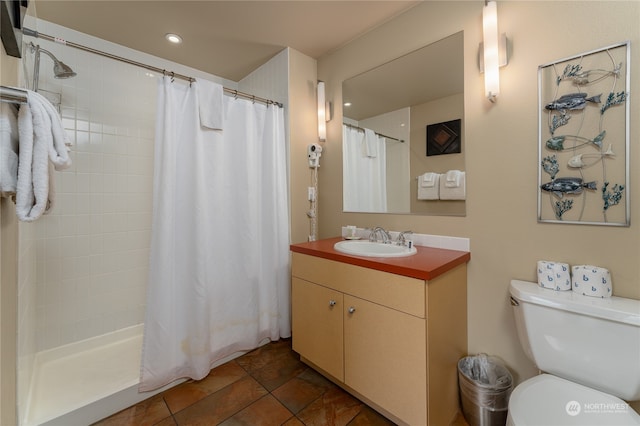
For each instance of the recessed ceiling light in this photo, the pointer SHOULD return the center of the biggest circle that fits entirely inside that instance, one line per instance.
(173, 38)
(347, 104)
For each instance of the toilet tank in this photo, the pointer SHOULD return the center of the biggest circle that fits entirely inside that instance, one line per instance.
(587, 340)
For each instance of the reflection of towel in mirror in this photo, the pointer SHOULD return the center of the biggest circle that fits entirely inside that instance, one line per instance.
(8, 148)
(42, 140)
(453, 185)
(370, 143)
(453, 178)
(428, 186)
(210, 97)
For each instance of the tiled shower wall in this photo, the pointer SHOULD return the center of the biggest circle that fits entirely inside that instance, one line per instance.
(92, 250)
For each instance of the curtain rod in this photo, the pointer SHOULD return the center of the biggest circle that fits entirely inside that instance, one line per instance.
(379, 134)
(235, 93)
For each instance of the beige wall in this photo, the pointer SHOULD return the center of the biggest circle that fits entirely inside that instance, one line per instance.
(501, 153)
(8, 278)
(303, 130)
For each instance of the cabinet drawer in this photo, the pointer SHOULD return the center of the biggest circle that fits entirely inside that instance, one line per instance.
(394, 291)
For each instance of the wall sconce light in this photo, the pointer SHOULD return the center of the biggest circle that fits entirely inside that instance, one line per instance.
(493, 51)
(324, 112)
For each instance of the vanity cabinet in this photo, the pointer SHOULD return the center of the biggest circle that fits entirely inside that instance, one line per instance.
(391, 340)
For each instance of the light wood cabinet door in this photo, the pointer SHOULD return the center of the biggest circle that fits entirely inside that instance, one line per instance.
(317, 325)
(385, 358)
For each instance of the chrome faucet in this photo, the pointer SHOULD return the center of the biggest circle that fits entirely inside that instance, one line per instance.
(402, 240)
(384, 235)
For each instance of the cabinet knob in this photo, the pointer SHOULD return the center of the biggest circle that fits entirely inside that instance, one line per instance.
(332, 303)
(351, 309)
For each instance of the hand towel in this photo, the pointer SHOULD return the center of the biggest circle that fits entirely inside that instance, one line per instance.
(429, 179)
(370, 143)
(428, 186)
(210, 96)
(453, 178)
(554, 275)
(42, 143)
(8, 149)
(448, 192)
(590, 280)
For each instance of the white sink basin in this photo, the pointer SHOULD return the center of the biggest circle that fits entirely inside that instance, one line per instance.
(369, 249)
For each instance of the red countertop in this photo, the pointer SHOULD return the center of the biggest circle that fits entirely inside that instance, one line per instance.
(426, 264)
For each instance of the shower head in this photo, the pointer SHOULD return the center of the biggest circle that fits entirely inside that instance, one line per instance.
(60, 69)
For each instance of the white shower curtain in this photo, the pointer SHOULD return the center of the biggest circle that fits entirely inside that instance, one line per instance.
(219, 267)
(364, 177)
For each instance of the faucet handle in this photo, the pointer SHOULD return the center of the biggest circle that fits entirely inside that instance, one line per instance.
(402, 240)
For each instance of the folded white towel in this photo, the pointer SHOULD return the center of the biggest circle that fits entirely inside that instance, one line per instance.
(8, 148)
(210, 96)
(370, 143)
(448, 192)
(42, 140)
(429, 179)
(428, 186)
(453, 178)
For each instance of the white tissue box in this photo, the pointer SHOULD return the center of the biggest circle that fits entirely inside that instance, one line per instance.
(554, 275)
(592, 281)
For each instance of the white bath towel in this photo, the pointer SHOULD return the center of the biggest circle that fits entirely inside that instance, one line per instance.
(370, 143)
(8, 149)
(42, 144)
(453, 188)
(210, 97)
(428, 186)
(59, 149)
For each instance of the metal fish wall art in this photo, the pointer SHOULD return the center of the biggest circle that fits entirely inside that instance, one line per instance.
(556, 143)
(582, 100)
(567, 185)
(572, 101)
(577, 163)
(584, 78)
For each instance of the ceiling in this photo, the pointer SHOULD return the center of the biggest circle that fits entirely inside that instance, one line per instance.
(226, 38)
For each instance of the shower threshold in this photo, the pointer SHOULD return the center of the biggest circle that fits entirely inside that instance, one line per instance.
(83, 382)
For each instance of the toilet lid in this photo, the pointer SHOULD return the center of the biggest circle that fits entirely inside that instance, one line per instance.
(550, 400)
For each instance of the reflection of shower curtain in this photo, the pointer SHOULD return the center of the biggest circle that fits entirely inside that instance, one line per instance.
(364, 177)
(219, 268)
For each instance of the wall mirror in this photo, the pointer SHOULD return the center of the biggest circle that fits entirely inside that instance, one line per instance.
(385, 117)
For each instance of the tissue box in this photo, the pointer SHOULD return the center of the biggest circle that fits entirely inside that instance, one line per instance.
(554, 275)
(592, 281)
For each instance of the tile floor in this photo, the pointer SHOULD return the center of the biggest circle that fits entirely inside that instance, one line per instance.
(267, 386)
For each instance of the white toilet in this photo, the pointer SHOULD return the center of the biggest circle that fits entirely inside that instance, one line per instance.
(589, 350)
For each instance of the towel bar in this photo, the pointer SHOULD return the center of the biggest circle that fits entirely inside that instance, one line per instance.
(13, 95)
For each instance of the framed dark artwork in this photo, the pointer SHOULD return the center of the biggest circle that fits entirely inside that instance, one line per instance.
(444, 138)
